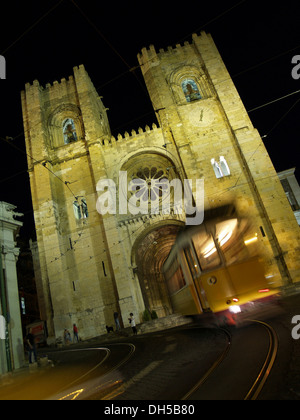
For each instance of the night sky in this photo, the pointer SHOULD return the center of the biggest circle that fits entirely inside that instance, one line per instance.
(44, 40)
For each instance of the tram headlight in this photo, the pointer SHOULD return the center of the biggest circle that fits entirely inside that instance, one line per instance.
(235, 309)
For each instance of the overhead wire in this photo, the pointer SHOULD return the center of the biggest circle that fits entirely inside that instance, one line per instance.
(93, 25)
(44, 164)
(32, 26)
(275, 100)
(213, 19)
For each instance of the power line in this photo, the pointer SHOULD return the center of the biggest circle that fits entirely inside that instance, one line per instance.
(265, 61)
(130, 69)
(213, 19)
(7, 140)
(282, 118)
(275, 100)
(33, 26)
(99, 32)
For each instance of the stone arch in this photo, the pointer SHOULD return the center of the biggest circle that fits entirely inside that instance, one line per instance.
(56, 122)
(152, 169)
(195, 76)
(149, 252)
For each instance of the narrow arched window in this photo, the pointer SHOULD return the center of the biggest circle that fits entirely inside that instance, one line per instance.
(80, 209)
(84, 208)
(69, 131)
(77, 210)
(221, 168)
(190, 90)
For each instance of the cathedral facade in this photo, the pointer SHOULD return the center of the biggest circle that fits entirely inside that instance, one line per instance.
(92, 262)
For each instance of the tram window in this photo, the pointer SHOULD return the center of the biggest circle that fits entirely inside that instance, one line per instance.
(206, 251)
(192, 262)
(231, 241)
(235, 250)
(175, 279)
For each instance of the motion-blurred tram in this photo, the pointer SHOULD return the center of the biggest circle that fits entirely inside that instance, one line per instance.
(216, 268)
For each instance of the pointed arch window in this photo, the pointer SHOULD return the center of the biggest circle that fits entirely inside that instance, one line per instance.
(221, 168)
(69, 131)
(190, 90)
(80, 209)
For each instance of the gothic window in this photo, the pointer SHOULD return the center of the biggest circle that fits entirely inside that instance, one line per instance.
(69, 131)
(189, 84)
(84, 208)
(80, 209)
(221, 168)
(190, 90)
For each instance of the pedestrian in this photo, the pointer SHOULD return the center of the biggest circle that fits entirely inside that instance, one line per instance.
(30, 341)
(67, 337)
(75, 333)
(132, 323)
(117, 322)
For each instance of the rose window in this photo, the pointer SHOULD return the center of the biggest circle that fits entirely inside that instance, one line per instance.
(150, 183)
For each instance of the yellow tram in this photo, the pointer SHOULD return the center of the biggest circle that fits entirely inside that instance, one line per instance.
(215, 267)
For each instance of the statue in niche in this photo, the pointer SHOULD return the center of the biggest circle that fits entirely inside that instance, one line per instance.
(190, 90)
(69, 131)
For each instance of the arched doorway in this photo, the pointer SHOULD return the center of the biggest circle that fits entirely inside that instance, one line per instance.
(150, 252)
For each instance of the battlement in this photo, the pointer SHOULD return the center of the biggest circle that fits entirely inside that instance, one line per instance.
(79, 74)
(134, 136)
(150, 55)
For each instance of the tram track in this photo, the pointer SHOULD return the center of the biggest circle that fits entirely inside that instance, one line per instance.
(264, 373)
(111, 389)
(215, 365)
(261, 377)
(94, 380)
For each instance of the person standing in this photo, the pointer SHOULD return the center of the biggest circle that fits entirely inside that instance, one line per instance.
(117, 321)
(67, 337)
(132, 323)
(30, 341)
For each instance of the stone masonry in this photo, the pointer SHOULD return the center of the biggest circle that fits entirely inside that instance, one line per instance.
(88, 263)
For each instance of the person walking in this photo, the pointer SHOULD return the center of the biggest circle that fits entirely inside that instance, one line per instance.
(132, 323)
(75, 333)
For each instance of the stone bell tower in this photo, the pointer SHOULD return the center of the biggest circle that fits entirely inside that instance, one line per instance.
(65, 126)
(204, 121)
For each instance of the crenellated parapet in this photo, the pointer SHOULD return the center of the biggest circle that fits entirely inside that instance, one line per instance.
(141, 134)
(149, 57)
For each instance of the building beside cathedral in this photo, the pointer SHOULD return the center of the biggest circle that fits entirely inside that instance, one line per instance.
(93, 264)
(292, 190)
(11, 335)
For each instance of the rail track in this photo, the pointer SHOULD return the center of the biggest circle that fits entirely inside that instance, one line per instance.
(268, 364)
(264, 371)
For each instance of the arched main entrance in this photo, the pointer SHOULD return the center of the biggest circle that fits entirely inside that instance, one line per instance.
(150, 252)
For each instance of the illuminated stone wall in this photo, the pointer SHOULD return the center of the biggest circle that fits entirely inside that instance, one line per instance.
(88, 264)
